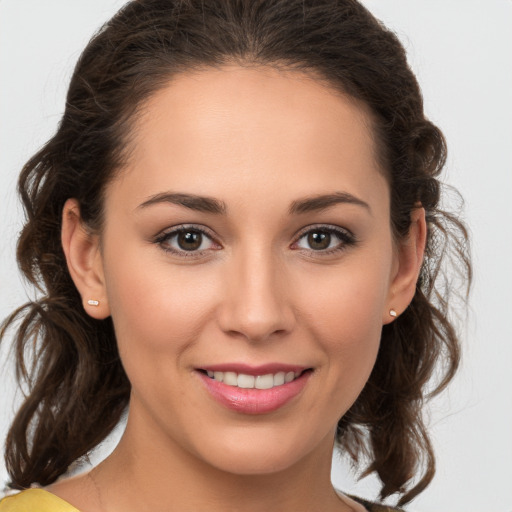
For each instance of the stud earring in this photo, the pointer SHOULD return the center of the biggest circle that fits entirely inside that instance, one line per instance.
(392, 313)
(93, 302)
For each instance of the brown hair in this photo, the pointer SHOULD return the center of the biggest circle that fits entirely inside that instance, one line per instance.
(77, 386)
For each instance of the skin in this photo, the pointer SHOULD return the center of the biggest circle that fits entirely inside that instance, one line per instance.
(257, 140)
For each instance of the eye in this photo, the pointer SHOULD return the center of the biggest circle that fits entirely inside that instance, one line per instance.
(186, 241)
(325, 239)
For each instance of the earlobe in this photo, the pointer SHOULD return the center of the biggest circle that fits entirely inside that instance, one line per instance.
(410, 253)
(84, 261)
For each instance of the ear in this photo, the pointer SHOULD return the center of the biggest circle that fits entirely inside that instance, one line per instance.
(84, 260)
(408, 261)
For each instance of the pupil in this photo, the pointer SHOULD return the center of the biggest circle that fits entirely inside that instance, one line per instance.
(319, 240)
(189, 240)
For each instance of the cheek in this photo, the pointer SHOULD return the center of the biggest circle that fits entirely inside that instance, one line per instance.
(346, 303)
(158, 314)
(350, 336)
(345, 317)
(155, 308)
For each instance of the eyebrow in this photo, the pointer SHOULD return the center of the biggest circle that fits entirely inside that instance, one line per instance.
(191, 201)
(322, 202)
(211, 205)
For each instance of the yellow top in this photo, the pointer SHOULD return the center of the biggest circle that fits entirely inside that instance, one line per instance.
(35, 500)
(39, 500)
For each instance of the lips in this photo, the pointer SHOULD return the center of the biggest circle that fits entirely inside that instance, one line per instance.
(254, 390)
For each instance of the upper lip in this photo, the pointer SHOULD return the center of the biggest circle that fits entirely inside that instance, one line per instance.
(246, 369)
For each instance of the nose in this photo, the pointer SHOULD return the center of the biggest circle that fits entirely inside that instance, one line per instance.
(255, 303)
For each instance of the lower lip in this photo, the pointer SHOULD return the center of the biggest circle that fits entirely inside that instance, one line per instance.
(254, 401)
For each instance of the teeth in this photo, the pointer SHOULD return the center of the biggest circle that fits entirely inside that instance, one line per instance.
(279, 379)
(230, 378)
(264, 381)
(245, 381)
(289, 377)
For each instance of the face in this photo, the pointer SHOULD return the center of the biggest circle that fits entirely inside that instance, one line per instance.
(248, 241)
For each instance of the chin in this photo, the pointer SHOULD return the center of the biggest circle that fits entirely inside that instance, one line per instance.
(262, 455)
(264, 464)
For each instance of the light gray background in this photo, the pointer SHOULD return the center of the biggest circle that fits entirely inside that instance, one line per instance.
(461, 52)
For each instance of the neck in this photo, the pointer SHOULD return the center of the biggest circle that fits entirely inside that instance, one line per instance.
(151, 472)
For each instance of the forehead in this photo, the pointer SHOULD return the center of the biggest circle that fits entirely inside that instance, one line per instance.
(251, 128)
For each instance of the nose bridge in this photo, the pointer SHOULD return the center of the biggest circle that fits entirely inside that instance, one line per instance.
(256, 303)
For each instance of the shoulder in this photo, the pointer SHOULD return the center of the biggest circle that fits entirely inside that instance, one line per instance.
(35, 500)
(371, 507)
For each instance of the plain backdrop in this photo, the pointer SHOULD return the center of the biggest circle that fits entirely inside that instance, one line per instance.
(461, 52)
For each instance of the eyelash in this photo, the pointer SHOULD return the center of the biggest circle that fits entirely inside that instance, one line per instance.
(345, 237)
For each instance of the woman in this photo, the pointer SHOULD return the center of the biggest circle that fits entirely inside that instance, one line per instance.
(237, 230)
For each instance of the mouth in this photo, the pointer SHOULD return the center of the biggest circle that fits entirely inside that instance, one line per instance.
(247, 381)
(254, 390)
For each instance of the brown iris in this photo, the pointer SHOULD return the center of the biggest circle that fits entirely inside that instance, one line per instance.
(189, 240)
(319, 240)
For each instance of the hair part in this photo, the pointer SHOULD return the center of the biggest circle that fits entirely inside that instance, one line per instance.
(78, 389)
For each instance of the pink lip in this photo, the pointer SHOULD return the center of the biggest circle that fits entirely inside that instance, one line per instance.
(254, 401)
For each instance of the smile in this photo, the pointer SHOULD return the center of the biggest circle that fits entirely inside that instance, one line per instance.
(245, 381)
(254, 390)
